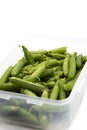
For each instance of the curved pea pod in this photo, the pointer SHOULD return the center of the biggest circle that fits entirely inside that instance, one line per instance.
(6, 75)
(27, 92)
(28, 116)
(17, 68)
(27, 55)
(28, 69)
(66, 65)
(69, 85)
(62, 93)
(60, 50)
(54, 92)
(34, 87)
(45, 94)
(37, 73)
(57, 56)
(9, 87)
(79, 61)
(72, 67)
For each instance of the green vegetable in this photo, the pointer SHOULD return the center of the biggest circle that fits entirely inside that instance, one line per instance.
(5, 76)
(27, 92)
(37, 73)
(35, 87)
(45, 94)
(28, 116)
(66, 65)
(17, 68)
(72, 67)
(79, 61)
(60, 50)
(69, 85)
(27, 55)
(9, 87)
(54, 92)
(62, 93)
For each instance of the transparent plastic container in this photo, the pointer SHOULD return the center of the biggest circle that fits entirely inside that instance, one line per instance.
(56, 114)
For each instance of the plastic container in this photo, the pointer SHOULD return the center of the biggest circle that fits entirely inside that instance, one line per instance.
(55, 114)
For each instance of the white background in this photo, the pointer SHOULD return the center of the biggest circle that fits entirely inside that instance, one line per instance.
(22, 18)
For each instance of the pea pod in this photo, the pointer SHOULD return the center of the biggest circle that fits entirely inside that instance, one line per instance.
(60, 50)
(9, 87)
(54, 92)
(27, 92)
(27, 55)
(57, 56)
(28, 116)
(69, 85)
(79, 61)
(66, 65)
(5, 76)
(72, 67)
(35, 87)
(62, 93)
(17, 68)
(37, 73)
(45, 94)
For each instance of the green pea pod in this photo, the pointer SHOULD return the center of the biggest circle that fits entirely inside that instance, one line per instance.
(79, 61)
(6, 74)
(62, 93)
(35, 87)
(72, 67)
(27, 55)
(57, 56)
(61, 50)
(45, 94)
(38, 52)
(28, 116)
(9, 87)
(52, 62)
(27, 92)
(69, 85)
(66, 65)
(17, 68)
(37, 73)
(54, 92)
(38, 56)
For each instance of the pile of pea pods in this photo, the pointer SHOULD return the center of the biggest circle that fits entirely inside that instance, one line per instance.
(49, 74)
